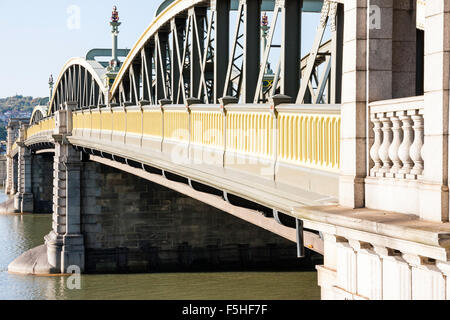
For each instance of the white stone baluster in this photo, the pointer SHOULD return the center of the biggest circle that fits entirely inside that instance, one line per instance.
(403, 150)
(376, 145)
(395, 145)
(383, 152)
(416, 147)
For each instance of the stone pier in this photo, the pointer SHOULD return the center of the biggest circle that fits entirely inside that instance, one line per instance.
(23, 199)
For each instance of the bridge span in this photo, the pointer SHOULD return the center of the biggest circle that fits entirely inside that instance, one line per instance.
(343, 151)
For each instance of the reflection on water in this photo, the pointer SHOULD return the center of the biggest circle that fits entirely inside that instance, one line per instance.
(20, 233)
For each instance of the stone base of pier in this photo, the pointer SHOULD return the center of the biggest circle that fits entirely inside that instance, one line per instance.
(33, 262)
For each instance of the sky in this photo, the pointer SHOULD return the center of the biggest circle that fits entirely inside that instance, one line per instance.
(38, 37)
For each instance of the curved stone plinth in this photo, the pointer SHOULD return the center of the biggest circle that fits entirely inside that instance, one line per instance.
(7, 207)
(33, 262)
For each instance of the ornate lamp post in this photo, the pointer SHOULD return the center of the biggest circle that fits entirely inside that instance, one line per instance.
(50, 86)
(114, 63)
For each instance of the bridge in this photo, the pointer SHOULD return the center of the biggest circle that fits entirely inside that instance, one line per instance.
(343, 150)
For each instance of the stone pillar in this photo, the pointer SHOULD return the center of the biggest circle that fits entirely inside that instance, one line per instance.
(65, 243)
(73, 242)
(15, 175)
(434, 191)
(353, 112)
(23, 199)
(9, 184)
(380, 43)
(391, 49)
(404, 52)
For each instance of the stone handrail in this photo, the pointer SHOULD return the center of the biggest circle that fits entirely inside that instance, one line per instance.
(398, 127)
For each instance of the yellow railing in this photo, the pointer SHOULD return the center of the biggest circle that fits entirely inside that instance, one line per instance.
(152, 122)
(296, 135)
(119, 120)
(96, 120)
(309, 139)
(43, 126)
(134, 121)
(207, 128)
(176, 125)
(250, 132)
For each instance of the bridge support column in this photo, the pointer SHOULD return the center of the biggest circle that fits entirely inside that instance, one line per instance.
(23, 200)
(65, 243)
(353, 112)
(15, 174)
(9, 183)
(73, 241)
(434, 201)
(11, 163)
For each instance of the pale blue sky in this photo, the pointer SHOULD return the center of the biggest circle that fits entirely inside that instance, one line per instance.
(36, 37)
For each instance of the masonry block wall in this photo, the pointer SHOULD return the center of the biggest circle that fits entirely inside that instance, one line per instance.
(42, 183)
(15, 175)
(3, 170)
(132, 225)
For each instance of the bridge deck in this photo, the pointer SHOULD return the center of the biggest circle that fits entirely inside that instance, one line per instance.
(279, 196)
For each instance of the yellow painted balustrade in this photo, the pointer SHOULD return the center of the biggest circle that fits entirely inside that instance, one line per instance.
(306, 136)
(176, 124)
(250, 132)
(207, 127)
(77, 120)
(96, 120)
(34, 129)
(152, 122)
(119, 120)
(87, 117)
(106, 119)
(309, 137)
(43, 126)
(134, 121)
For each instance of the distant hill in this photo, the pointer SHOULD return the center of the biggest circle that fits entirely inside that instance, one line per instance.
(17, 106)
(20, 104)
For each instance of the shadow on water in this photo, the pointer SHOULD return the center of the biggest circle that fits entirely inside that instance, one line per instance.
(20, 233)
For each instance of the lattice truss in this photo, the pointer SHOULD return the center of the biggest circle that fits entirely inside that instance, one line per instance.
(77, 84)
(198, 53)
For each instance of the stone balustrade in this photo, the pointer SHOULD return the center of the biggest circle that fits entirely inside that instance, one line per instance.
(398, 127)
(396, 162)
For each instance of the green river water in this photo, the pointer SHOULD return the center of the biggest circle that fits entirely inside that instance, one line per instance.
(20, 233)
